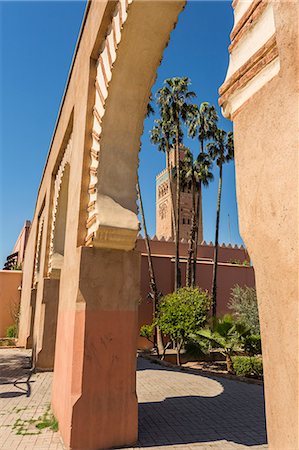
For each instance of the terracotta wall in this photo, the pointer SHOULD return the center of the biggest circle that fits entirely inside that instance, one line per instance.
(10, 280)
(163, 261)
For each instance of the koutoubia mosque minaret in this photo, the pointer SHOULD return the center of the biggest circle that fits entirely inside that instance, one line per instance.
(164, 225)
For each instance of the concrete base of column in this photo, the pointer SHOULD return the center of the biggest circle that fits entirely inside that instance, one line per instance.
(94, 390)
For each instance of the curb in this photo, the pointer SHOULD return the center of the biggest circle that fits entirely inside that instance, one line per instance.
(200, 371)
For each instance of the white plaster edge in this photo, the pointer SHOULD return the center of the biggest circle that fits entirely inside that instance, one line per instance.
(242, 95)
(240, 10)
(252, 41)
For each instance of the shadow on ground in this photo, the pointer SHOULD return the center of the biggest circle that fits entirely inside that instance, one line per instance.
(15, 370)
(236, 415)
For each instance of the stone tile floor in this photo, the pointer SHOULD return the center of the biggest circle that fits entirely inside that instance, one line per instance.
(177, 410)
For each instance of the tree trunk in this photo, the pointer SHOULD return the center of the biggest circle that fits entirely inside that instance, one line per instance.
(171, 191)
(214, 282)
(178, 353)
(189, 269)
(198, 215)
(158, 342)
(178, 215)
(229, 364)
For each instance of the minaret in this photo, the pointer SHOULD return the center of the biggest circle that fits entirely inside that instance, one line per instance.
(163, 205)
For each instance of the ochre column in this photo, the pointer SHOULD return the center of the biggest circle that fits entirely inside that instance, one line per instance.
(47, 324)
(95, 401)
(261, 96)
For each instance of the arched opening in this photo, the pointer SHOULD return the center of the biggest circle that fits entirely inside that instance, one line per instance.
(60, 224)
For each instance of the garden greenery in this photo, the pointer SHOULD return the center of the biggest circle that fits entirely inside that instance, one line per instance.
(243, 304)
(248, 366)
(182, 313)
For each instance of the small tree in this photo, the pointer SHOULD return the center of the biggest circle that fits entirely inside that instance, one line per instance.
(181, 314)
(243, 303)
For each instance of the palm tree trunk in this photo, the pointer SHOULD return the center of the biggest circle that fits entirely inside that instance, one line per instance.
(177, 274)
(214, 282)
(229, 364)
(158, 342)
(189, 277)
(171, 191)
(198, 214)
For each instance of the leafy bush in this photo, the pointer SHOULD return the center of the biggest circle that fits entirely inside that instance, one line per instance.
(243, 303)
(182, 313)
(247, 366)
(11, 331)
(147, 331)
(253, 344)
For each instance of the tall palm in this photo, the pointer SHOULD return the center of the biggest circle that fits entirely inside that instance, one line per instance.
(193, 175)
(221, 150)
(174, 100)
(162, 135)
(202, 124)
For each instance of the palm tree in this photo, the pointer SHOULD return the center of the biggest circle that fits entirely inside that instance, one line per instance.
(202, 124)
(193, 175)
(162, 135)
(173, 100)
(221, 151)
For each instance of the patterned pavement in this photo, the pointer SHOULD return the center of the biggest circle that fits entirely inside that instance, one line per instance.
(177, 410)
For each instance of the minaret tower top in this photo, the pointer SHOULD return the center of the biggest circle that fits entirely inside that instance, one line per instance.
(164, 225)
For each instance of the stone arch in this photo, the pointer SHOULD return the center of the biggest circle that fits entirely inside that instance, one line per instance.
(59, 213)
(126, 71)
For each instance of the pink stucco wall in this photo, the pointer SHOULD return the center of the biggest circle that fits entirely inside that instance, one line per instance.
(163, 261)
(10, 281)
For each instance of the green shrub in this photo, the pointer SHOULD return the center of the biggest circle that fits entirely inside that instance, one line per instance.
(247, 366)
(147, 331)
(182, 313)
(11, 331)
(253, 344)
(243, 303)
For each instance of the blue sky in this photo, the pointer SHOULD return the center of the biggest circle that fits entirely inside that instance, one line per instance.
(37, 44)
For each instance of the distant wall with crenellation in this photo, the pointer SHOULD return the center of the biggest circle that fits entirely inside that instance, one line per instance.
(233, 268)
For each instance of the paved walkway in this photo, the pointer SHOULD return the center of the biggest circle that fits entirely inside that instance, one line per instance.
(177, 410)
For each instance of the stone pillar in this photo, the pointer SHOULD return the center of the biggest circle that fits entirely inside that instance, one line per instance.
(261, 96)
(29, 339)
(94, 392)
(45, 352)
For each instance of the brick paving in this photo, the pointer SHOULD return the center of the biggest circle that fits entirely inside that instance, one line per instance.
(177, 410)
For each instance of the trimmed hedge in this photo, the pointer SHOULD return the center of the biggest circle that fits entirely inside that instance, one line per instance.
(248, 366)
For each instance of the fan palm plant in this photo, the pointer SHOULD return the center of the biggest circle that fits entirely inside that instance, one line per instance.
(221, 150)
(174, 101)
(202, 124)
(226, 335)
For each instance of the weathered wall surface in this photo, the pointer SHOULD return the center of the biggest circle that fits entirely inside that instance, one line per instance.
(10, 281)
(261, 95)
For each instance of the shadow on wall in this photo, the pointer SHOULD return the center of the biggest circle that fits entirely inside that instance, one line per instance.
(236, 414)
